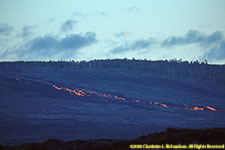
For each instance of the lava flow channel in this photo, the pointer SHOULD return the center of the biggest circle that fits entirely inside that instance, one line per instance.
(83, 92)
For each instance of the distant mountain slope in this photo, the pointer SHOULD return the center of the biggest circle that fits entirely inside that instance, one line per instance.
(98, 99)
(176, 69)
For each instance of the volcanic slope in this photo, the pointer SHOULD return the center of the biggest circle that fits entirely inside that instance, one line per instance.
(69, 103)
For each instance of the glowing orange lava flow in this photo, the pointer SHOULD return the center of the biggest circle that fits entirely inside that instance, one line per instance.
(57, 87)
(157, 103)
(197, 108)
(76, 92)
(210, 108)
(119, 98)
(90, 93)
(164, 105)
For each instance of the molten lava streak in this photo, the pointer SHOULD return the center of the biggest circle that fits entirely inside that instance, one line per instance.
(115, 97)
(210, 108)
(88, 93)
(197, 108)
(164, 105)
(57, 87)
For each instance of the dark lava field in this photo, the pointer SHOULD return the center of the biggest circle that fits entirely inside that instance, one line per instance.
(89, 102)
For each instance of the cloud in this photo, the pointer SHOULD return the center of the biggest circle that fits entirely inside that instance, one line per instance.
(192, 37)
(121, 34)
(48, 46)
(51, 20)
(41, 43)
(132, 9)
(77, 41)
(217, 52)
(68, 25)
(5, 29)
(79, 14)
(212, 45)
(26, 31)
(89, 14)
(70, 42)
(136, 45)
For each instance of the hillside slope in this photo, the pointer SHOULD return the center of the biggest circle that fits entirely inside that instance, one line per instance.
(69, 100)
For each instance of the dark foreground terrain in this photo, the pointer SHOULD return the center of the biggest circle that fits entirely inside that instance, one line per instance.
(175, 137)
(107, 99)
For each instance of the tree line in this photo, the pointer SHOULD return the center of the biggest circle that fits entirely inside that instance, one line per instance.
(176, 69)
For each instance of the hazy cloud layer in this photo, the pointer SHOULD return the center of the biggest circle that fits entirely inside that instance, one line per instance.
(5, 29)
(77, 41)
(193, 37)
(26, 31)
(136, 45)
(213, 45)
(46, 46)
(51, 20)
(217, 52)
(131, 9)
(68, 25)
(90, 14)
(121, 34)
(71, 42)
